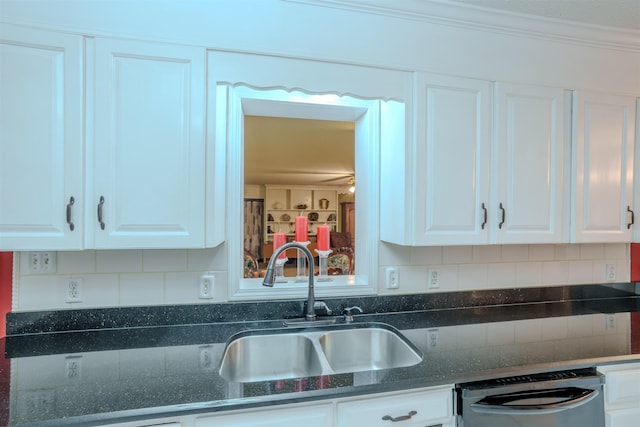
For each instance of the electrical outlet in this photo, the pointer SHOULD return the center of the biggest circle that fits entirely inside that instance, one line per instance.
(40, 262)
(73, 367)
(73, 290)
(610, 272)
(207, 282)
(434, 278)
(392, 278)
(610, 322)
(432, 335)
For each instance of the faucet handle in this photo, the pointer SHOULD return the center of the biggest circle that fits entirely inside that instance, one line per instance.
(322, 307)
(348, 313)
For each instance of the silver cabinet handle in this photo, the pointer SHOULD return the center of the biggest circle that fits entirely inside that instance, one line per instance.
(69, 206)
(633, 219)
(502, 216)
(102, 224)
(400, 418)
(484, 219)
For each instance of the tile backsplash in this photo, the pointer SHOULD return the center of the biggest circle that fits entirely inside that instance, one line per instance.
(121, 278)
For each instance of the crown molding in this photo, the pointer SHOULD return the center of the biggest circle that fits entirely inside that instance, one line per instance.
(461, 15)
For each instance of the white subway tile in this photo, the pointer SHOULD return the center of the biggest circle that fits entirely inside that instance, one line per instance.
(501, 275)
(98, 290)
(555, 273)
(542, 252)
(567, 252)
(616, 250)
(142, 289)
(426, 255)
(528, 274)
(514, 253)
(119, 261)
(592, 251)
(580, 272)
(472, 276)
(76, 262)
(486, 254)
(39, 293)
(184, 288)
(448, 278)
(161, 260)
(394, 255)
(207, 259)
(457, 254)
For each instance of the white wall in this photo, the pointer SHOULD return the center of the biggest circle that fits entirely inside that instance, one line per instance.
(429, 38)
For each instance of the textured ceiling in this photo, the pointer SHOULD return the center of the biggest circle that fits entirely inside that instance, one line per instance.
(624, 14)
(298, 151)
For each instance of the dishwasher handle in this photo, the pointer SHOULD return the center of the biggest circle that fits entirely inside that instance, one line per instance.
(535, 402)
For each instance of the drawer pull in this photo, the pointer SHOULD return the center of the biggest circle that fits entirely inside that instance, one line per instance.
(400, 418)
(633, 218)
(484, 218)
(69, 219)
(100, 221)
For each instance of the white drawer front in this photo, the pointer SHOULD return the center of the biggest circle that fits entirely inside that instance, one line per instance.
(623, 385)
(624, 418)
(429, 407)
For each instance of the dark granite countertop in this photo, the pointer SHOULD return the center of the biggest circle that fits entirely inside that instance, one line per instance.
(98, 367)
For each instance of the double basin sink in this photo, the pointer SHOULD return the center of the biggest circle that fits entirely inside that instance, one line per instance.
(272, 354)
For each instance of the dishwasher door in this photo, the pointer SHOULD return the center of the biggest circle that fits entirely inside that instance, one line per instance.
(553, 399)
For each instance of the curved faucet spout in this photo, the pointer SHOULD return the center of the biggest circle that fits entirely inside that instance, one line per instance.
(270, 273)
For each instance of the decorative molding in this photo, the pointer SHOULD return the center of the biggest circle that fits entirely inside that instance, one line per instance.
(478, 18)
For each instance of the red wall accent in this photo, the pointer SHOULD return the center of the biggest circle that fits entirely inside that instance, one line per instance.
(6, 269)
(635, 317)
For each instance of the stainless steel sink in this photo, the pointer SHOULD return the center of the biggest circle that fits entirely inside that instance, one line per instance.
(264, 355)
(367, 349)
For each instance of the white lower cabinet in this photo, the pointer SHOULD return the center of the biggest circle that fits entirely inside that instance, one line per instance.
(427, 407)
(622, 394)
(309, 415)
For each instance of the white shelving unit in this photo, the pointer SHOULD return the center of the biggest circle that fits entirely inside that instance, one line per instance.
(284, 203)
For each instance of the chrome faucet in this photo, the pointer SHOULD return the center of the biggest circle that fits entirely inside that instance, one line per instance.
(310, 314)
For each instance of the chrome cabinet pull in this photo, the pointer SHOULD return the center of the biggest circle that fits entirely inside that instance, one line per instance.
(102, 224)
(400, 418)
(633, 218)
(502, 216)
(484, 219)
(69, 220)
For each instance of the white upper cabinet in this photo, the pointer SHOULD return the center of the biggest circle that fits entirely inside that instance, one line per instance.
(451, 162)
(531, 164)
(473, 186)
(41, 149)
(148, 162)
(603, 149)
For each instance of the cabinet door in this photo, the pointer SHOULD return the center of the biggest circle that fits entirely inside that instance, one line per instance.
(41, 92)
(319, 415)
(148, 158)
(422, 408)
(603, 129)
(451, 162)
(531, 153)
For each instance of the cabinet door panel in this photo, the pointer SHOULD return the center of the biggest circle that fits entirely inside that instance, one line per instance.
(530, 164)
(41, 89)
(603, 132)
(319, 415)
(452, 160)
(149, 145)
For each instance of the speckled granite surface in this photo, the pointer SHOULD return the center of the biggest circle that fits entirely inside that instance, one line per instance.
(129, 364)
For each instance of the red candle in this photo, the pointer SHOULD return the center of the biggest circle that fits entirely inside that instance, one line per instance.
(301, 229)
(323, 237)
(279, 239)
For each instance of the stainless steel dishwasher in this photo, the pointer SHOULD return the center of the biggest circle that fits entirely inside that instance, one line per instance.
(550, 399)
